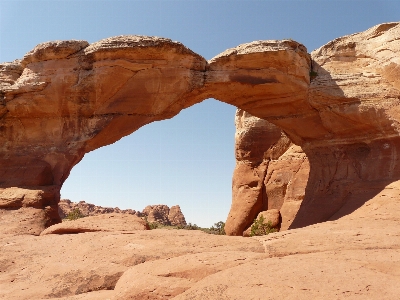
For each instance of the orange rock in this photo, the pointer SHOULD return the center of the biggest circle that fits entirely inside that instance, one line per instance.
(106, 222)
(271, 216)
(64, 99)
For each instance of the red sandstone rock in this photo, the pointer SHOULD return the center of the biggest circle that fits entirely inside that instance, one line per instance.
(271, 216)
(355, 257)
(106, 222)
(175, 216)
(345, 121)
(65, 206)
(157, 213)
(66, 98)
(270, 173)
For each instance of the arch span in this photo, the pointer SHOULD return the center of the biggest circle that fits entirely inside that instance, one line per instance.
(64, 99)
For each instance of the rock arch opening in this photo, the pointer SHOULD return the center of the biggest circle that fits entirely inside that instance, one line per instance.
(187, 161)
(64, 99)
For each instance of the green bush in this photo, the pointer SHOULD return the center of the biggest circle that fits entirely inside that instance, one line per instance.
(154, 225)
(260, 228)
(313, 74)
(218, 228)
(74, 215)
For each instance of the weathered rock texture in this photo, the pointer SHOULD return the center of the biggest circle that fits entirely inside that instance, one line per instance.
(355, 257)
(107, 222)
(271, 174)
(347, 143)
(161, 214)
(66, 98)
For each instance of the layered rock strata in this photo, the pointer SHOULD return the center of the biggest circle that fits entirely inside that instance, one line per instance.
(356, 257)
(66, 98)
(349, 151)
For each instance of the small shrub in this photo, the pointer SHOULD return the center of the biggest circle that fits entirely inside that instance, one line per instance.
(313, 74)
(260, 228)
(74, 215)
(153, 225)
(218, 228)
(191, 226)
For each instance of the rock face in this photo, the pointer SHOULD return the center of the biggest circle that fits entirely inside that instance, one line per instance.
(354, 257)
(346, 148)
(161, 214)
(107, 222)
(271, 174)
(66, 98)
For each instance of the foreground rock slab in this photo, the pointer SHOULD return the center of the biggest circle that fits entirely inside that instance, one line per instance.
(107, 222)
(64, 265)
(356, 256)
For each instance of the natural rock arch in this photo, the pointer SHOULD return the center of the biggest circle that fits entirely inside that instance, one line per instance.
(66, 98)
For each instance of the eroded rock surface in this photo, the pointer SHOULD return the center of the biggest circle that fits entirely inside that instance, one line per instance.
(354, 257)
(106, 222)
(271, 173)
(66, 98)
(164, 215)
(346, 148)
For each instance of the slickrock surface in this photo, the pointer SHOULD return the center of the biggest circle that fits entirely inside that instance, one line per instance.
(106, 222)
(68, 98)
(63, 265)
(354, 257)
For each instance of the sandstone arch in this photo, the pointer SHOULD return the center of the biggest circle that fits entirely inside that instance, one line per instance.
(66, 98)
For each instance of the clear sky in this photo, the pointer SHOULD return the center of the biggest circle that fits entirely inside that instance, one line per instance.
(189, 159)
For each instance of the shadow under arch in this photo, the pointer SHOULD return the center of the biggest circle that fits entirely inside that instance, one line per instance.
(359, 157)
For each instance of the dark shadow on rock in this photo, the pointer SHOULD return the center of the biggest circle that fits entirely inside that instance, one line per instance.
(356, 162)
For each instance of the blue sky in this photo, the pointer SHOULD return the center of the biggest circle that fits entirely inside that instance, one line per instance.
(189, 159)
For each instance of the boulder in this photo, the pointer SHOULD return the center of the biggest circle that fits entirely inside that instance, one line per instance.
(271, 216)
(176, 217)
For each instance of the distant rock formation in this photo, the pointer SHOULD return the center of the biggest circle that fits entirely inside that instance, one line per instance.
(160, 213)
